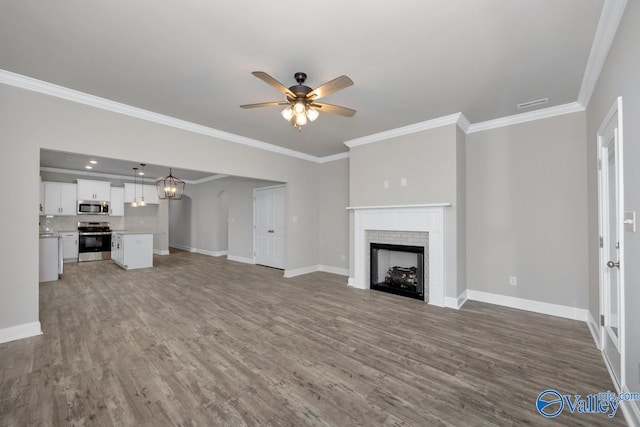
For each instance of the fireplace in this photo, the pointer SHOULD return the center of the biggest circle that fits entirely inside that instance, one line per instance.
(398, 269)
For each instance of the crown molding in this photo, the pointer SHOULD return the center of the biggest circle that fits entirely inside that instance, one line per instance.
(543, 113)
(46, 88)
(334, 157)
(405, 130)
(123, 177)
(610, 18)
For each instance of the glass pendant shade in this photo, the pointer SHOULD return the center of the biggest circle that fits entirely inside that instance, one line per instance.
(301, 119)
(312, 114)
(299, 108)
(170, 188)
(287, 113)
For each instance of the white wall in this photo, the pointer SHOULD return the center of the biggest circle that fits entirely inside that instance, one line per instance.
(30, 121)
(526, 210)
(620, 77)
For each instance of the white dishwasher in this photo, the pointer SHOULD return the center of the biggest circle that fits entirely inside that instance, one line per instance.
(50, 257)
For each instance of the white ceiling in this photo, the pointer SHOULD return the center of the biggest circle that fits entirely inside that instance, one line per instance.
(411, 60)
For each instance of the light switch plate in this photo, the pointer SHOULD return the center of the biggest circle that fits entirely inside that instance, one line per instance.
(630, 221)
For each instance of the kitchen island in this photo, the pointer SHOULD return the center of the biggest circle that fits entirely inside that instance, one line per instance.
(131, 249)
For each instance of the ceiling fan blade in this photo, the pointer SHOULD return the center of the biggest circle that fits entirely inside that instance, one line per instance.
(333, 109)
(265, 104)
(330, 87)
(273, 82)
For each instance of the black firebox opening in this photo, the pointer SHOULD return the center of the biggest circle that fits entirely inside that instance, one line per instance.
(398, 269)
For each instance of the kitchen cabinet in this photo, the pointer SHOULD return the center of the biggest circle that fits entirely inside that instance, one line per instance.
(94, 190)
(150, 193)
(70, 246)
(132, 250)
(116, 207)
(50, 266)
(59, 198)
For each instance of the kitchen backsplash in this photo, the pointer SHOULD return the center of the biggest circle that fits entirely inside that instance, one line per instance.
(70, 223)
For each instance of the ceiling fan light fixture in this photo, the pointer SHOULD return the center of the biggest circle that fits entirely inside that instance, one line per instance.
(287, 113)
(299, 108)
(312, 113)
(301, 119)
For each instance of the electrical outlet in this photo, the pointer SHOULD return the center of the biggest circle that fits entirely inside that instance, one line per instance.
(403, 182)
(343, 257)
(513, 280)
(385, 183)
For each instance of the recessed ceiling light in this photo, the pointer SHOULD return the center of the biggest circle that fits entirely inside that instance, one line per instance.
(88, 167)
(93, 162)
(529, 104)
(140, 173)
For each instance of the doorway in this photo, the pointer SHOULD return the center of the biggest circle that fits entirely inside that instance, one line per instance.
(611, 225)
(268, 226)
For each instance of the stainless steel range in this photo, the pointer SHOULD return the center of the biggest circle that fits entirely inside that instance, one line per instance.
(94, 241)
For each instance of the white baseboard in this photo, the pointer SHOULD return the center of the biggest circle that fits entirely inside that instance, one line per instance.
(160, 252)
(300, 271)
(313, 268)
(240, 259)
(18, 332)
(456, 303)
(630, 410)
(183, 247)
(351, 282)
(211, 253)
(594, 329)
(334, 270)
(529, 305)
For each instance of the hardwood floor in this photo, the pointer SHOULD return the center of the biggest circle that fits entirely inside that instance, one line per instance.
(205, 341)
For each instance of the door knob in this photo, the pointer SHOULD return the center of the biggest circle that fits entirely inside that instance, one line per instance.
(612, 264)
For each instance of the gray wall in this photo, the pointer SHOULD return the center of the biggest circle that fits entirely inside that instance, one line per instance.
(429, 160)
(526, 210)
(196, 223)
(620, 77)
(333, 199)
(30, 121)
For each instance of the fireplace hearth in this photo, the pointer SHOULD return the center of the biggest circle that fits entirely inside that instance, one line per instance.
(397, 269)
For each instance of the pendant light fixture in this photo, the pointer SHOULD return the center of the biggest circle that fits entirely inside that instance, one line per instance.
(170, 187)
(134, 204)
(142, 202)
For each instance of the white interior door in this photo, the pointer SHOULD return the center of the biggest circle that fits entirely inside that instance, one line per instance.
(612, 238)
(269, 220)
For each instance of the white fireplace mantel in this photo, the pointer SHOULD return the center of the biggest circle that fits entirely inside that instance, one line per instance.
(423, 218)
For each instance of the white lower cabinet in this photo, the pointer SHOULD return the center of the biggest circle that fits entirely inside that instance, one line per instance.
(70, 246)
(132, 250)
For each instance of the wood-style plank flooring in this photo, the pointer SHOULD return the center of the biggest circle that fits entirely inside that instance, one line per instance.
(204, 341)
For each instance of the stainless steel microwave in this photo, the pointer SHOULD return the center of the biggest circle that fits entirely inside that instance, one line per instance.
(93, 207)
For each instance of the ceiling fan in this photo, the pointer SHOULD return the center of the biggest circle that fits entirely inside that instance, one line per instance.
(301, 99)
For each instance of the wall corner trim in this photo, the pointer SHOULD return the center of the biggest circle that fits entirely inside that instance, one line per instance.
(160, 252)
(334, 270)
(558, 310)
(240, 259)
(594, 329)
(405, 130)
(293, 272)
(456, 302)
(610, 18)
(543, 113)
(18, 332)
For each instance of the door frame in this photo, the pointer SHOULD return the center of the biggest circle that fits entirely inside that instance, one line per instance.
(270, 187)
(615, 109)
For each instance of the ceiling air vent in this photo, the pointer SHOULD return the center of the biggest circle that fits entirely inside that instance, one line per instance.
(529, 104)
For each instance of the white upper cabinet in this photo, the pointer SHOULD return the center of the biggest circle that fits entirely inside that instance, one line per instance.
(94, 190)
(117, 202)
(59, 198)
(136, 191)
